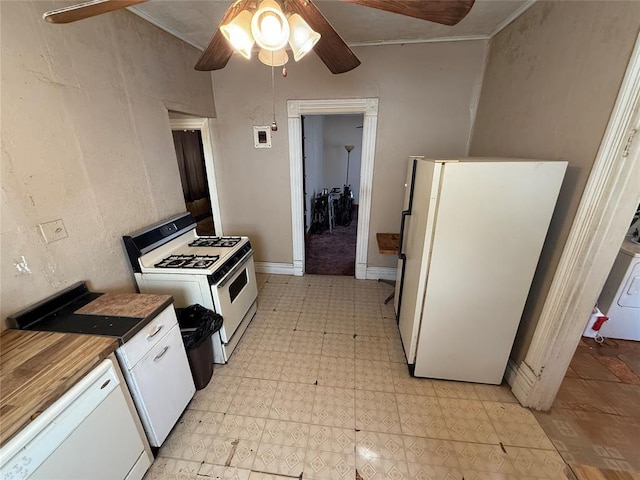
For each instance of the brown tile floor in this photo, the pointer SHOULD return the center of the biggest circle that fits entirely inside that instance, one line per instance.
(319, 389)
(595, 419)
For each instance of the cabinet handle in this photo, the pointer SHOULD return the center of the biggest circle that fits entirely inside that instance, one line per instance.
(157, 331)
(105, 384)
(159, 356)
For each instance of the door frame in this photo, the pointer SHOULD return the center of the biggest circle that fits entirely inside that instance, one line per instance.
(610, 197)
(204, 126)
(368, 107)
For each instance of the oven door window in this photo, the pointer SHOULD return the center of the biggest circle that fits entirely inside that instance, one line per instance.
(237, 285)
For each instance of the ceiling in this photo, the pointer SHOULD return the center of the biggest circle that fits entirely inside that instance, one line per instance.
(195, 21)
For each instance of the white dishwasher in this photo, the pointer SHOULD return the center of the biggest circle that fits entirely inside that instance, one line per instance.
(88, 433)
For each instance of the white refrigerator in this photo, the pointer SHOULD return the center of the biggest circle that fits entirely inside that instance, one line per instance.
(471, 235)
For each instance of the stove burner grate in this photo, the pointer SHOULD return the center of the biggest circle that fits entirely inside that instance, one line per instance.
(187, 261)
(215, 242)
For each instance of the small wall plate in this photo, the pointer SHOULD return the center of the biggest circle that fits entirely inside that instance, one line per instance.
(262, 137)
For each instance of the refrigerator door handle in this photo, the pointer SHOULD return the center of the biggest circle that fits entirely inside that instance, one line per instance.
(401, 254)
(407, 212)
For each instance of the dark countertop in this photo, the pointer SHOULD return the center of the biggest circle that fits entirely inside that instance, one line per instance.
(76, 310)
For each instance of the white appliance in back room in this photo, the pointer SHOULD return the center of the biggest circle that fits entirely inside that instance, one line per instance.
(471, 235)
(620, 297)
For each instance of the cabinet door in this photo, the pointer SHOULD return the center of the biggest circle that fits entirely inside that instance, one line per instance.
(164, 385)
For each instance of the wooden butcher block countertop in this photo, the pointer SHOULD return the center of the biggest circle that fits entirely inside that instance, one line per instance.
(37, 368)
(134, 305)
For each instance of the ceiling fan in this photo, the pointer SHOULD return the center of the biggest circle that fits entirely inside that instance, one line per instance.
(330, 47)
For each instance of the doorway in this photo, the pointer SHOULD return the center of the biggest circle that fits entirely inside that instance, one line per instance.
(331, 150)
(205, 208)
(368, 107)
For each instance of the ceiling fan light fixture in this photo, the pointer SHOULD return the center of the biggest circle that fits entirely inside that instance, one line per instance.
(269, 26)
(238, 33)
(273, 59)
(302, 37)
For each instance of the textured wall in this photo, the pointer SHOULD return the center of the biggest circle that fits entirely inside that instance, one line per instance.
(86, 139)
(549, 88)
(427, 96)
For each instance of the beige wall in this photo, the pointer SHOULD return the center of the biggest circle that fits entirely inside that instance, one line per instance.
(427, 96)
(86, 139)
(549, 88)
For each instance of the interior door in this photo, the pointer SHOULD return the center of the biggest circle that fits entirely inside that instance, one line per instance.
(415, 250)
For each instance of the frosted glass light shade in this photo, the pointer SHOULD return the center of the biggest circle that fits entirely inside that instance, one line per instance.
(269, 26)
(302, 37)
(273, 59)
(238, 32)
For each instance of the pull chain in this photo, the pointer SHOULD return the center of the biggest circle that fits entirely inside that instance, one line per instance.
(274, 125)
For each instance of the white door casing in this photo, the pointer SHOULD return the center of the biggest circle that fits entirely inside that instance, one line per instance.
(610, 197)
(204, 126)
(295, 109)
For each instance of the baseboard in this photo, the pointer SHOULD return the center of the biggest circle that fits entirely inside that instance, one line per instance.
(274, 268)
(381, 273)
(521, 379)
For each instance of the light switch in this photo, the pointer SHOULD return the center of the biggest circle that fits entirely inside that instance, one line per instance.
(53, 231)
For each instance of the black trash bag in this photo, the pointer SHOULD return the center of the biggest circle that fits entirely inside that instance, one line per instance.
(197, 324)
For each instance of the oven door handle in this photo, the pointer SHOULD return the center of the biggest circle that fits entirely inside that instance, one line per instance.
(235, 269)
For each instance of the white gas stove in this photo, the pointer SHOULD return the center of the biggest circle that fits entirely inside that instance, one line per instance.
(216, 272)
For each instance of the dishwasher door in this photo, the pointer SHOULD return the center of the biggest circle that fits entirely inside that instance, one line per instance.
(89, 433)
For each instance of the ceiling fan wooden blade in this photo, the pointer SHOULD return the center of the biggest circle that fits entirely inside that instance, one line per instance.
(446, 12)
(219, 50)
(331, 48)
(87, 10)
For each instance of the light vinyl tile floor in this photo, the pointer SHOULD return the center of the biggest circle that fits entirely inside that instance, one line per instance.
(318, 388)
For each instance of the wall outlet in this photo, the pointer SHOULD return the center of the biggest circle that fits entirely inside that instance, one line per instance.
(53, 231)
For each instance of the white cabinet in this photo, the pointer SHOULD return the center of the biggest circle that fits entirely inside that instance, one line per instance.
(157, 372)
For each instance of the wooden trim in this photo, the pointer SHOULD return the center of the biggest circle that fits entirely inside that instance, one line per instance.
(274, 268)
(381, 273)
(204, 126)
(610, 197)
(296, 108)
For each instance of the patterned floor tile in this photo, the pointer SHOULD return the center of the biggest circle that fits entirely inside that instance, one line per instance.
(338, 345)
(332, 439)
(428, 451)
(420, 471)
(342, 324)
(327, 391)
(371, 348)
(186, 446)
(199, 421)
(380, 445)
(219, 472)
(486, 458)
(448, 389)
(309, 343)
(279, 459)
(172, 469)
(292, 434)
(244, 428)
(300, 368)
(537, 463)
(320, 465)
(336, 372)
(381, 469)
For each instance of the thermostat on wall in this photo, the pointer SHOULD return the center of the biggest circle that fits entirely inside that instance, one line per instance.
(262, 137)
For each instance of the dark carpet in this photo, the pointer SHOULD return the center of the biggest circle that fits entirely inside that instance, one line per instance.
(333, 253)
